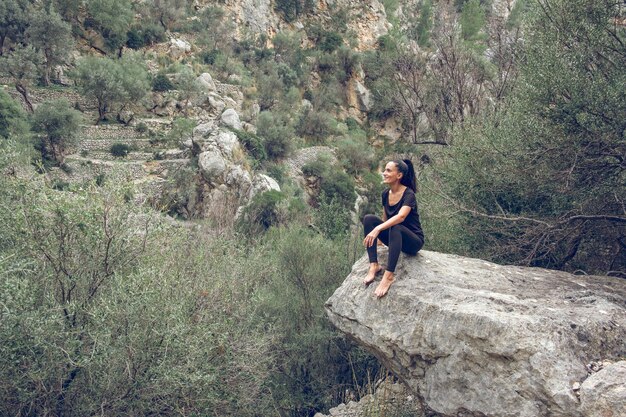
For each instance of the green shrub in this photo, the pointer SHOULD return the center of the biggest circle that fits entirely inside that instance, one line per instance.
(330, 41)
(112, 310)
(162, 83)
(355, 155)
(119, 150)
(263, 212)
(277, 134)
(141, 127)
(253, 144)
(210, 57)
(13, 120)
(316, 125)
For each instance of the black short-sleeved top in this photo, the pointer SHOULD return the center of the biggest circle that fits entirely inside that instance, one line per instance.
(412, 221)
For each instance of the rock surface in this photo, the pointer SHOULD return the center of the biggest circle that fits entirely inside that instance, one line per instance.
(604, 393)
(474, 338)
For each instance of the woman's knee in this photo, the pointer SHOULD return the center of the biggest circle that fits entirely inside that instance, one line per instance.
(370, 219)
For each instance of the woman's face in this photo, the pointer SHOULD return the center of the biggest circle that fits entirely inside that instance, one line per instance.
(391, 173)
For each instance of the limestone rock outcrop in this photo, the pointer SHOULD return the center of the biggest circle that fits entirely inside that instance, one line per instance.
(475, 338)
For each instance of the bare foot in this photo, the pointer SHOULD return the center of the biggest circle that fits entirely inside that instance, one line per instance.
(375, 268)
(384, 285)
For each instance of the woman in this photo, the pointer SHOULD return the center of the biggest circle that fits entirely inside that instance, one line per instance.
(400, 227)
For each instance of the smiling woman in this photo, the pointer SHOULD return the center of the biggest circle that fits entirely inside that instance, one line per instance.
(400, 228)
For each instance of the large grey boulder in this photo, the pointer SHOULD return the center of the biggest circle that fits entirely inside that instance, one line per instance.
(179, 48)
(212, 165)
(474, 338)
(205, 83)
(604, 393)
(231, 118)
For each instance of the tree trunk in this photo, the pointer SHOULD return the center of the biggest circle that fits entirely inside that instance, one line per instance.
(22, 90)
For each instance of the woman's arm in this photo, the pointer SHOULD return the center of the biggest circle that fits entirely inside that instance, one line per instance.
(397, 219)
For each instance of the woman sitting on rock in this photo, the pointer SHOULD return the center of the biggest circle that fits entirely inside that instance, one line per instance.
(400, 227)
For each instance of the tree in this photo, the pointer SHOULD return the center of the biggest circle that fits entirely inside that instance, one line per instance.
(542, 182)
(52, 36)
(113, 82)
(112, 18)
(13, 20)
(57, 125)
(21, 65)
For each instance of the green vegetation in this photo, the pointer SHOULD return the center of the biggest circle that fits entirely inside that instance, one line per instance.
(538, 182)
(112, 19)
(57, 126)
(108, 309)
(13, 121)
(119, 149)
(114, 83)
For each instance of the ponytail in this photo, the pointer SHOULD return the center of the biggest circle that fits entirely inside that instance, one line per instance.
(408, 173)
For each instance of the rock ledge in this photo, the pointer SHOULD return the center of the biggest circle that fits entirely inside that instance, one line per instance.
(474, 338)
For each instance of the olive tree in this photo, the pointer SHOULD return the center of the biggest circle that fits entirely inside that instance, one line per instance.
(57, 126)
(114, 83)
(49, 34)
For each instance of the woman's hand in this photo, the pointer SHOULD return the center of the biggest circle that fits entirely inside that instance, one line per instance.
(371, 237)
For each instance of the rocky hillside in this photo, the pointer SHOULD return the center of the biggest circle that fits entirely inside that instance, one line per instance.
(473, 338)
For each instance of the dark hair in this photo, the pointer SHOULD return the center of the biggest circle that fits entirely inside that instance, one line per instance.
(405, 166)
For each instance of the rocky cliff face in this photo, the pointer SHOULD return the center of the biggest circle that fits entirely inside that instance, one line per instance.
(474, 338)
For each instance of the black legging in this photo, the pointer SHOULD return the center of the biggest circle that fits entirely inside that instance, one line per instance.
(397, 237)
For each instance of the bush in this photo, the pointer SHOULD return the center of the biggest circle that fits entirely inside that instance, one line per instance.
(355, 154)
(162, 83)
(13, 120)
(277, 134)
(120, 150)
(253, 144)
(112, 311)
(141, 127)
(330, 41)
(263, 212)
(334, 183)
(316, 125)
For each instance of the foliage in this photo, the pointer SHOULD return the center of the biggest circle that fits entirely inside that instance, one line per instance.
(253, 144)
(334, 183)
(354, 153)
(167, 12)
(112, 19)
(178, 197)
(293, 9)
(263, 212)
(21, 65)
(14, 18)
(112, 82)
(181, 129)
(106, 310)
(549, 197)
(162, 83)
(424, 24)
(13, 121)
(144, 35)
(57, 126)
(315, 126)
(313, 373)
(276, 132)
(52, 37)
(119, 149)
(472, 20)
(330, 41)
